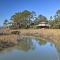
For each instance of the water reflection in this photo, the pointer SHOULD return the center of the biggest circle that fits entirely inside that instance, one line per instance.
(30, 48)
(25, 44)
(57, 45)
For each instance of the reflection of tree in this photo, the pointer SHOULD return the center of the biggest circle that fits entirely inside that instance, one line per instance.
(25, 44)
(42, 42)
(6, 49)
(57, 45)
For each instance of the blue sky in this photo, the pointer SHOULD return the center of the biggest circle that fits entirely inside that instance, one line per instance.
(44, 7)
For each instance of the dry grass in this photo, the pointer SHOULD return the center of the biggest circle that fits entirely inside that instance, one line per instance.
(52, 34)
(9, 38)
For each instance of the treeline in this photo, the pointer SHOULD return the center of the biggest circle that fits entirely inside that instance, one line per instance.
(28, 19)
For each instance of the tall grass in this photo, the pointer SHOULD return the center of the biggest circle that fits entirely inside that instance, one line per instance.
(51, 34)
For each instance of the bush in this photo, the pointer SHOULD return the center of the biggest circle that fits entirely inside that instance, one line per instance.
(15, 32)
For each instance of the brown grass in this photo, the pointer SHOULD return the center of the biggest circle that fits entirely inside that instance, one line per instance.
(9, 38)
(51, 34)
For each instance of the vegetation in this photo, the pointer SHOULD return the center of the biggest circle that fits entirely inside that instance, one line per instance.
(5, 23)
(55, 21)
(28, 19)
(51, 34)
(39, 19)
(22, 19)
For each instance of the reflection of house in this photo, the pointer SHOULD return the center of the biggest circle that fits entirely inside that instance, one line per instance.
(43, 25)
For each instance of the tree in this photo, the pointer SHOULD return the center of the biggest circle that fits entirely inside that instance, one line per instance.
(51, 17)
(5, 23)
(58, 13)
(57, 19)
(55, 22)
(22, 19)
(40, 18)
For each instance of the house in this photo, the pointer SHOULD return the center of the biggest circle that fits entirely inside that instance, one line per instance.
(43, 24)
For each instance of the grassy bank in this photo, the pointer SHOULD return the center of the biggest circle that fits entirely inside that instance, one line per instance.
(51, 34)
(8, 38)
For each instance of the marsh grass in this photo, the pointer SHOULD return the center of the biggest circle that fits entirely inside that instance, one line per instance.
(51, 34)
(8, 38)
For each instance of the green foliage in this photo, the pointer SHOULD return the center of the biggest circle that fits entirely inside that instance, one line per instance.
(39, 19)
(5, 22)
(55, 21)
(22, 19)
(28, 19)
(42, 18)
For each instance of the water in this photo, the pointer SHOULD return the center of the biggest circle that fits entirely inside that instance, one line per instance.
(31, 49)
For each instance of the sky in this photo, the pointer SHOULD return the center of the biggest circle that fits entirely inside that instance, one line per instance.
(45, 7)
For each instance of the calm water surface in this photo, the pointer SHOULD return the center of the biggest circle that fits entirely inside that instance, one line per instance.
(31, 49)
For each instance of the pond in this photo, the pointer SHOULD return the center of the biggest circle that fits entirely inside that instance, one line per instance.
(31, 48)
